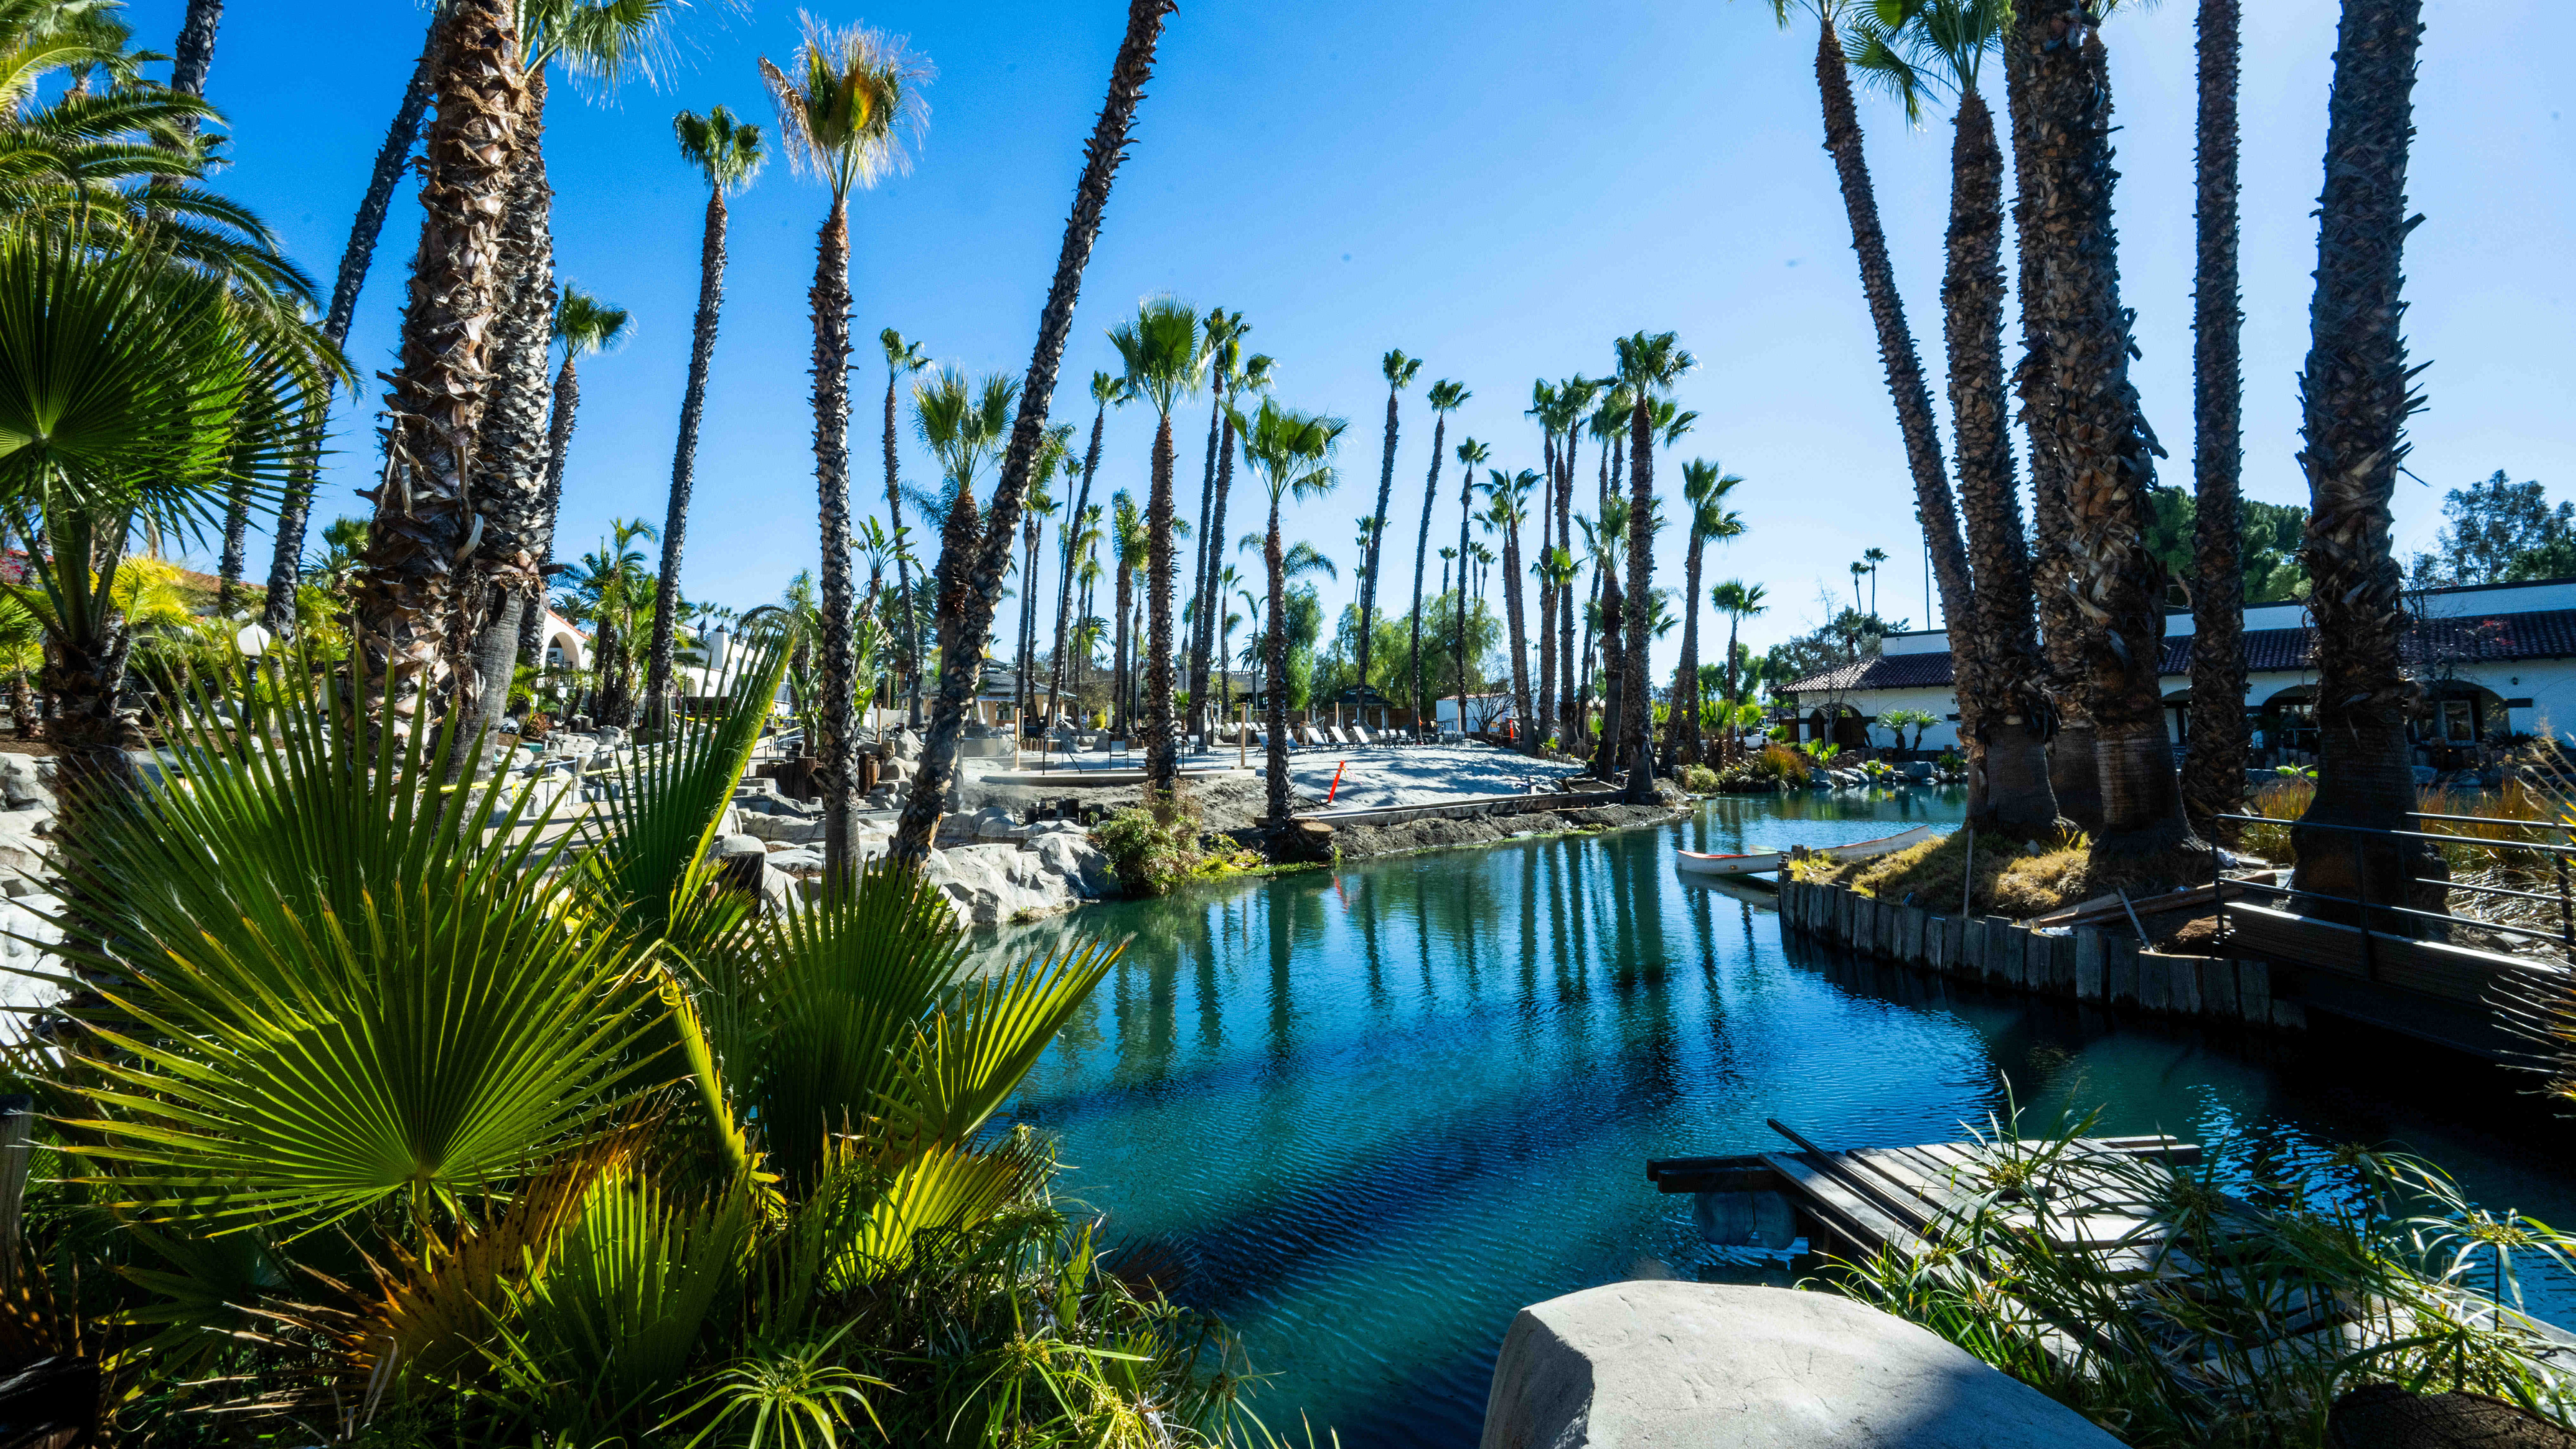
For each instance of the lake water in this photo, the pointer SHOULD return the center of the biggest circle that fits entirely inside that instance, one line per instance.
(1375, 1111)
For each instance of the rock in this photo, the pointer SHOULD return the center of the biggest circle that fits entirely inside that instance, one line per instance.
(19, 953)
(794, 829)
(798, 860)
(25, 843)
(895, 769)
(611, 737)
(1303, 841)
(778, 890)
(27, 783)
(1715, 1366)
(1083, 865)
(730, 822)
(991, 884)
(2384, 1416)
(733, 844)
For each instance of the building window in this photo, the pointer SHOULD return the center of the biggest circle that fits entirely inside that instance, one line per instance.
(2459, 721)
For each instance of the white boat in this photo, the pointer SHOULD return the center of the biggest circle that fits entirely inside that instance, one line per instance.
(1692, 862)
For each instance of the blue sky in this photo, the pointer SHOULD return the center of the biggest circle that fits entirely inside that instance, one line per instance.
(1498, 187)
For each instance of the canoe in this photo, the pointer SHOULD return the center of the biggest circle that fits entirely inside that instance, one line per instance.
(1692, 862)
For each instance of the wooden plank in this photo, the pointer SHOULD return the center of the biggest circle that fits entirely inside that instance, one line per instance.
(1909, 935)
(2155, 982)
(2182, 983)
(1858, 1223)
(2017, 962)
(1936, 943)
(2091, 968)
(2254, 991)
(2218, 990)
(2120, 955)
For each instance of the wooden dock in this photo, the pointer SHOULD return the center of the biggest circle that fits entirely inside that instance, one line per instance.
(1863, 1200)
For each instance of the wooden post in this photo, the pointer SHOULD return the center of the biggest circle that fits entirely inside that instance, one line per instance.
(2218, 988)
(1936, 943)
(2155, 981)
(17, 1136)
(2120, 955)
(1243, 739)
(2254, 991)
(2090, 965)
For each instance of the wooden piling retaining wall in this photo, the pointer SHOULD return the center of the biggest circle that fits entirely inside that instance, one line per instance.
(2086, 964)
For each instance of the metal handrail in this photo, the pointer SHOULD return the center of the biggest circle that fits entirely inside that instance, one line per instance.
(2565, 936)
(2404, 834)
(2490, 820)
(2394, 910)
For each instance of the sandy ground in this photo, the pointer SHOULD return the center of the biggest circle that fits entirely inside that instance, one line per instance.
(1370, 779)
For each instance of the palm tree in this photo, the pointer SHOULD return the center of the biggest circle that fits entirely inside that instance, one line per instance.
(727, 153)
(1704, 490)
(406, 598)
(966, 618)
(842, 116)
(1574, 400)
(963, 423)
(393, 159)
(1400, 371)
(1166, 361)
(2085, 423)
(1859, 571)
(1445, 397)
(584, 327)
(1511, 493)
(1738, 601)
(1873, 557)
(1220, 334)
(1649, 366)
(1105, 390)
(2215, 754)
(2356, 394)
(1041, 504)
(1292, 454)
(1470, 454)
(902, 360)
(1237, 373)
(1905, 384)
(2008, 718)
(1130, 550)
(611, 587)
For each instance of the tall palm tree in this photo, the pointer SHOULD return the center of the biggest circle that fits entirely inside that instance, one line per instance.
(601, 41)
(1105, 390)
(2356, 395)
(1873, 557)
(1738, 601)
(584, 326)
(2215, 753)
(1511, 494)
(727, 153)
(1470, 454)
(1543, 406)
(2008, 718)
(1859, 571)
(1704, 489)
(1905, 383)
(1254, 374)
(1166, 360)
(406, 597)
(2085, 423)
(966, 618)
(843, 114)
(963, 422)
(357, 255)
(1445, 397)
(1573, 402)
(1041, 505)
(1130, 549)
(1221, 332)
(903, 359)
(1649, 366)
(1399, 371)
(1292, 454)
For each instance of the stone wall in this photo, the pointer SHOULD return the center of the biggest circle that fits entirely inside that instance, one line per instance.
(2085, 964)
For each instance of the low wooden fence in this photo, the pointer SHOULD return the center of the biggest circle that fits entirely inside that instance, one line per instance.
(2086, 963)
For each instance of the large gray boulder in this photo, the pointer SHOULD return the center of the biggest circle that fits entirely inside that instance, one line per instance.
(791, 829)
(27, 782)
(1666, 1365)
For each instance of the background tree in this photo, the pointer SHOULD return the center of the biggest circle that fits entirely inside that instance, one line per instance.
(2499, 532)
(726, 152)
(1511, 494)
(584, 327)
(1445, 397)
(1166, 360)
(842, 115)
(903, 359)
(1292, 454)
(2215, 754)
(1399, 371)
(1705, 487)
(1223, 333)
(1105, 390)
(1738, 601)
(1649, 366)
(2356, 395)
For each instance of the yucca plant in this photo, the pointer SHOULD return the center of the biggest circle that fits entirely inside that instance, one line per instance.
(385, 1097)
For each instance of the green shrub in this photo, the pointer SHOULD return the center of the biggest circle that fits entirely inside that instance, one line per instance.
(1698, 779)
(1152, 847)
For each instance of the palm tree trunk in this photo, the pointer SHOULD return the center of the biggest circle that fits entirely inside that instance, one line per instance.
(1905, 384)
(1545, 720)
(1421, 554)
(1733, 698)
(1638, 735)
(1162, 762)
(1274, 684)
(1213, 523)
(1685, 746)
(1466, 506)
(1614, 675)
(966, 620)
(406, 595)
(196, 48)
(565, 411)
(838, 719)
(510, 461)
(2006, 734)
(2083, 409)
(286, 560)
(1570, 732)
(909, 651)
(84, 674)
(1520, 637)
(1056, 679)
(2214, 757)
(684, 458)
(1376, 540)
(1118, 671)
(2356, 395)
(1203, 559)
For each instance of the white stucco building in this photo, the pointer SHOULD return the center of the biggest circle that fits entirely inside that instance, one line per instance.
(2497, 661)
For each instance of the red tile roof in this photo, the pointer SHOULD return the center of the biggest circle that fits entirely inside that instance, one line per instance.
(2466, 639)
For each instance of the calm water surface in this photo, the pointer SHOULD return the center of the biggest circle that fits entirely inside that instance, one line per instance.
(1376, 1111)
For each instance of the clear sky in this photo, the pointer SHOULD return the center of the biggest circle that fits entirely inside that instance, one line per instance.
(1497, 186)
